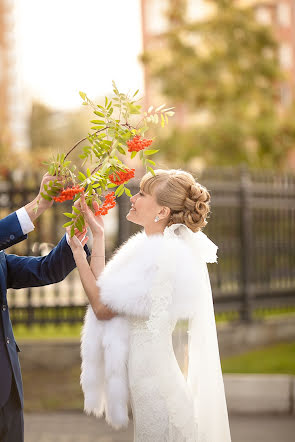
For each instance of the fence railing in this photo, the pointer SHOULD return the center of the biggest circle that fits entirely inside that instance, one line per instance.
(252, 221)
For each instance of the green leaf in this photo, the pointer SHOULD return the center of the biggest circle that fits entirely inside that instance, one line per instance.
(72, 230)
(133, 154)
(97, 121)
(128, 193)
(69, 215)
(150, 152)
(121, 192)
(68, 224)
(81, 176)
(118, 190)
(151, 170)
(150, 161)
(81, 219)
(76, 210)
(88, 172)
(46, 197)
(121, 150)
(135, 93)
(82, 95)
(79, 225)
(51, 192)
(100, 114)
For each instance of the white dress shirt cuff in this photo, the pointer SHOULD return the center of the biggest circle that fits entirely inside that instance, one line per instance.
(25, 221)
(68, 238)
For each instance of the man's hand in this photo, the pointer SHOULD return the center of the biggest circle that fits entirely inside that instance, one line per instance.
(77, 242)
(36, 207)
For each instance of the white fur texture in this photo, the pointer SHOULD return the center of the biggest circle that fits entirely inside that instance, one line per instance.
(125, 287)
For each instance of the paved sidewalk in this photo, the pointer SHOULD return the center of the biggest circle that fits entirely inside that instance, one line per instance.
(77, 427)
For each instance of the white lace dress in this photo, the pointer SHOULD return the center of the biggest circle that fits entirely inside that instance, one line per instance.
(161, 402)
(152, 282)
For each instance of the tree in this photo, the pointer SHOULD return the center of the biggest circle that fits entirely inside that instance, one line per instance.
(225, 69)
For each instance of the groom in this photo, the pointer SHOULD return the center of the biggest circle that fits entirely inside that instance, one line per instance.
(20, 272)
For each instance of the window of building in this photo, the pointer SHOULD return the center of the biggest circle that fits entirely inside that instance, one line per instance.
(285, 95)
(156, 20)
(284, 14)
(263, 15)
(286, 56)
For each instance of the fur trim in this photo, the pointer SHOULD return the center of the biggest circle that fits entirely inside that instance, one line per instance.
(125, 286)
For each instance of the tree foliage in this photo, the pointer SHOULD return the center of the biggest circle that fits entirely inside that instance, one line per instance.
(226, 71)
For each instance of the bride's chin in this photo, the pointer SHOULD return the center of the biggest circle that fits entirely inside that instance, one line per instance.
(129, 215)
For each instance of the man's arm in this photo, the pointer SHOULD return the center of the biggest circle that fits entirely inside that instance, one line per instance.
(14, 227)
(10, 231)
(32, 271)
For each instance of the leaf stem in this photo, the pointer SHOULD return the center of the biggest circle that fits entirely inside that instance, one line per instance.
(83, 139)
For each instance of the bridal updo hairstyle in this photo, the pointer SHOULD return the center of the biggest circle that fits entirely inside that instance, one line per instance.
(188, 201)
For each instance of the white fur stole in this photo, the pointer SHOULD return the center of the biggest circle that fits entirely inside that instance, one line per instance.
(125, 286)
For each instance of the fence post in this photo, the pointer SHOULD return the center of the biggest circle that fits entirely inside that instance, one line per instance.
(124, 225)
(246, 244)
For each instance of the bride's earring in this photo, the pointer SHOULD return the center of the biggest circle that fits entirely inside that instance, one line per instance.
(157, 219)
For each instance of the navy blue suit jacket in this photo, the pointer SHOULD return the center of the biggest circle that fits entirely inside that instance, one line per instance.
(20, 272)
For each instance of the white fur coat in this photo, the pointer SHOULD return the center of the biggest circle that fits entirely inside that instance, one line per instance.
(125, 286)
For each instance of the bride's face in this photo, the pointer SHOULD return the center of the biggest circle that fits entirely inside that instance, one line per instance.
(144, 209)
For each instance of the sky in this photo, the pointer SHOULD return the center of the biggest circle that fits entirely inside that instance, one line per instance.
(64, 46)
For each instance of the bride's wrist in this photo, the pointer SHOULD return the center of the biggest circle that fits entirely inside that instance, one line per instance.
(98, 236)
(79, 255)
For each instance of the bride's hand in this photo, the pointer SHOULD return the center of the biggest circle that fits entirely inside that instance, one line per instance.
(95, 223)
(78, 241)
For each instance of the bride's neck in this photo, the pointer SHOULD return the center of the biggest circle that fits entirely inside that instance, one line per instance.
(156, 229)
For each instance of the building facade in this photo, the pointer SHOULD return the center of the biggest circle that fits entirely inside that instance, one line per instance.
(13, 106)
(279, 14)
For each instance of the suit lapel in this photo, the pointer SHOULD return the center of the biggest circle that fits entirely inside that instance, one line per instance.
(3, 271)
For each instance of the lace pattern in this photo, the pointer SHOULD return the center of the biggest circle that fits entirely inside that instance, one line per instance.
(161, 401)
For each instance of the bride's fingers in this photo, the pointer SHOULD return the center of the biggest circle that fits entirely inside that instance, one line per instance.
(95, 206)
(81, 235)
(78, 232)
(84, 206)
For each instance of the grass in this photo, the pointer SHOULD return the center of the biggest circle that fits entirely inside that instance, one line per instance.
(276, 359)
(56, 390)
(48, 331)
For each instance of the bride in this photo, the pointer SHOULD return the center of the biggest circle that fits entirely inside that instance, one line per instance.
(156, 278)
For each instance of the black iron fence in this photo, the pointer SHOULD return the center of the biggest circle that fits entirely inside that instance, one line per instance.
(252, 221)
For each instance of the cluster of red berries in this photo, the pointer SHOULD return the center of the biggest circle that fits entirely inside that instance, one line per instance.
(122, 176)
(109, 203)
(137, 143)
(68, 194)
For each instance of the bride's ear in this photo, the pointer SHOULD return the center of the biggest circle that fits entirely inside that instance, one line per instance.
(165, 212)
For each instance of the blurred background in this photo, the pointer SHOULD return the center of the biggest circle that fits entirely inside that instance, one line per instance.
(228, 67)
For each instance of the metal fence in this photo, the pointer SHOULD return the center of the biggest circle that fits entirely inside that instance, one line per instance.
(252, 221)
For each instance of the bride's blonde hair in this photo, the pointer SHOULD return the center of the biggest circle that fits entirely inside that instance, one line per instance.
(188, 201)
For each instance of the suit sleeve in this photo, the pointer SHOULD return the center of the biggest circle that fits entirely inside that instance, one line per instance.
(10, 231)
(31, 271)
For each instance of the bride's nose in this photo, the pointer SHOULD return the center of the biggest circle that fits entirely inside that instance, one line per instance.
(132, 199)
